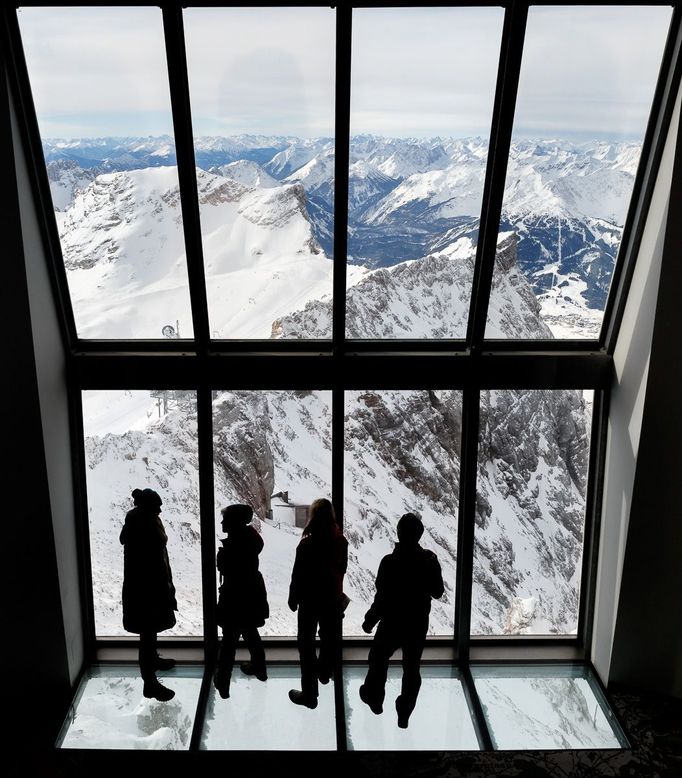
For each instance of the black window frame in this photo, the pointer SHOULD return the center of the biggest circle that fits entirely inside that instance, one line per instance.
(470, 365)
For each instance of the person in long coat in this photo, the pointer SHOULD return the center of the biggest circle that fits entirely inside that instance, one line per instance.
(406, 581)
(242, 602)
(316, 591)
(148, 599)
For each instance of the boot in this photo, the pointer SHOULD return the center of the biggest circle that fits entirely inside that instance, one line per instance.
(249, 668)
(298, 698)
(222, 684)
(154, 690)
(374, 705)
(403, 716)
(161, 663)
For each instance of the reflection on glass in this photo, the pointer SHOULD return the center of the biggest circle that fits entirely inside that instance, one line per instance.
(558, 706)
(272, 450)
(441, 720)
(138, 439)
(533, 452)
(402, 454)
(259, 716)
(587, 81)
(109, 711)
(422, 97)
(263, 115)
(100, 87)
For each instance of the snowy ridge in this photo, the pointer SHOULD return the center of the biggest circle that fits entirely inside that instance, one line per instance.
(427, 298)
(123, 247)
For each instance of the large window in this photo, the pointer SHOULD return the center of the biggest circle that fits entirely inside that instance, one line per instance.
(296, 249)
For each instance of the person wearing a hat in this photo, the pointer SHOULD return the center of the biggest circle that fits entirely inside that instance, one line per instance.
(242, 601)
(148, 600)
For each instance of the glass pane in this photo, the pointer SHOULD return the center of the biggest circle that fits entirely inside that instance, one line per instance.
(110, 712)
(533, 456)
(587, 81)
(272, 451)
(441, 720)
(263, 115)
(135, 440)
(402, 454)
(557, 706)
(260, 717)
(100, 87)
(422, 98)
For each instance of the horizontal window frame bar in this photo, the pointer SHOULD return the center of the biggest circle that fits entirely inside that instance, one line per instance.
(303, 4)
(371, 371)
(349, 346)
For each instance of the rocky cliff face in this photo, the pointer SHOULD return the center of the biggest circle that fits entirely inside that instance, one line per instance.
(402, 453)
(427, 298)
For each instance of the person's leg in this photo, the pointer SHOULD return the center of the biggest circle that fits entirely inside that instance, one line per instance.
(330, 644)
(147, 657)
(307, 629)
(383, 646)
(228, 649)
(413, 647)
(255, 645)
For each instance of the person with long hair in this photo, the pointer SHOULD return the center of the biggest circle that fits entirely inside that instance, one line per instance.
(148, 599)
(316, 591)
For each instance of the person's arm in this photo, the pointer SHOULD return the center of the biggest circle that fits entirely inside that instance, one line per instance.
(376, 610)
(436, 586)
(295, 581)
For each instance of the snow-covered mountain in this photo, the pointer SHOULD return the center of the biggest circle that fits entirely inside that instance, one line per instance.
(425, 298)
(123, 247)
(402, 454)
(408, 199)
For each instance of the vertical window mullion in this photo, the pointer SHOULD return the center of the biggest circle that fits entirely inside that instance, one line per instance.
(341, 162)
(82, 517)
(207, 518)
(466, 520)
(184, 149)
(593, 507)
(496, 170)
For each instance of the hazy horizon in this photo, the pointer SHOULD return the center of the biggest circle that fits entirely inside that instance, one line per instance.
(587, 73)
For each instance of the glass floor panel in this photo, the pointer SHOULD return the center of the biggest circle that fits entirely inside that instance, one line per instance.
(546, 707)
(109, 710)
(258, 716)
(441, 720)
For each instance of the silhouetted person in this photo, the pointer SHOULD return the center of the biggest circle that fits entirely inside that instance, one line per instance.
(316, 590)
(406, 581)
(149, 603)
(243, 603)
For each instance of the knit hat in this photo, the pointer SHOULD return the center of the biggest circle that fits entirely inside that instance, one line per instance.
(146, 498)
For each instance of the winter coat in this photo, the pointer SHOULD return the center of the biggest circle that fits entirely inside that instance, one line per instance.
(406, 581)
(319, 567)
(242, 599)
(148, 592)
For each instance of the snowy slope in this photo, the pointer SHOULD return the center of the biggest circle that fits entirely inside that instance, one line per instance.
(123, 247)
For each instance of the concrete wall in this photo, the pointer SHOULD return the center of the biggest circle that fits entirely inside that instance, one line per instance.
(647, 647)
(633, 397)
(42, 600)
(50, 364)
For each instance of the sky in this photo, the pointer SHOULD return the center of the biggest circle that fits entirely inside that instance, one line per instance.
(587, 72)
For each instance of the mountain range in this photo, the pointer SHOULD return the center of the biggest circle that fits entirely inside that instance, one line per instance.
(409, 199)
